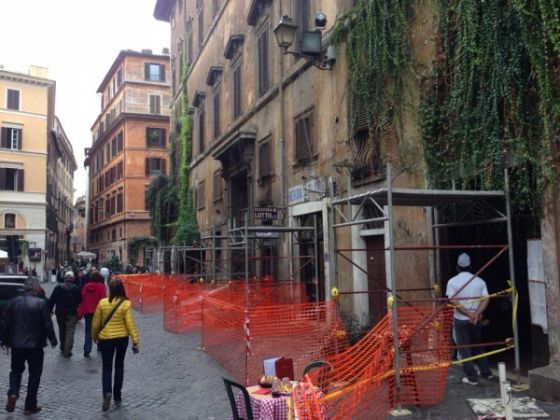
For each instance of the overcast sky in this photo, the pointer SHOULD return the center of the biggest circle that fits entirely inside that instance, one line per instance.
(78, 41)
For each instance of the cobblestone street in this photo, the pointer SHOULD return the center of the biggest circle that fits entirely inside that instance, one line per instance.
(172, 379)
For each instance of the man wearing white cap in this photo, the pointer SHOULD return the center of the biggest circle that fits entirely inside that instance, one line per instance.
(467, 314)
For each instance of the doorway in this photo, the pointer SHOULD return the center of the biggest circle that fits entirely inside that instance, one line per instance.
(377, 278)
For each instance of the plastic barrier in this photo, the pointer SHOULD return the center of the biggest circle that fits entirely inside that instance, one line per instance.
(145, 291)
(362, 383)
(182, 306)
(239, 337)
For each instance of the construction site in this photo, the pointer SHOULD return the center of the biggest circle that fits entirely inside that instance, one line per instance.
(374, 308)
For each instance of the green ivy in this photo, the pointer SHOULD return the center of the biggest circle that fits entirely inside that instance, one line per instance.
(493, 94)
(134, 245)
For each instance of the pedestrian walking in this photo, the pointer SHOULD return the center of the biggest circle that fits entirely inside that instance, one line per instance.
(105, 273)
(92, 293)
(113, 323)
(25, 330)
(467, 291)
(66, 297)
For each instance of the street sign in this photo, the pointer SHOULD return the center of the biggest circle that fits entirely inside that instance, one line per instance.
(265, 213)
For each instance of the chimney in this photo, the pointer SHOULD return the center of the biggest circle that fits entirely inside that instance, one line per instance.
(165, 51)
(39, 71)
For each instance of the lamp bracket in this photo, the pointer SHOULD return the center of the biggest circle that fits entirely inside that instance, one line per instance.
(319, 61)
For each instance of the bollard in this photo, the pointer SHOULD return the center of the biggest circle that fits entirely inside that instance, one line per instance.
(505, 391)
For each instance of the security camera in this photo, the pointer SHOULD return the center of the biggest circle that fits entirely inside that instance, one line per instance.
(320, 20)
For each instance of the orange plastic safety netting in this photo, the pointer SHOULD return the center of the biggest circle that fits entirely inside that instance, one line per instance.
(362, 382)
(145, 291)
(182, 306)
(276, 323)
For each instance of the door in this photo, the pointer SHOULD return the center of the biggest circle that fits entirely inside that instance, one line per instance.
(377, 279)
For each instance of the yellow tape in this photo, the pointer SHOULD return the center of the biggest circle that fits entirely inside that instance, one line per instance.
(480, 356)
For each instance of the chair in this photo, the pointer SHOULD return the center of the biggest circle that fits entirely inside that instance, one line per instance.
(248, 409)
(324, 368)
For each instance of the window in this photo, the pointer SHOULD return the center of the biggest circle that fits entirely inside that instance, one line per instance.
(200, 24)
(120, 202)
(119, 78)
(155, 166)
(108, 151)
(120, 142)
(154, 72)
(146, 198)
(216, 99)
(114, 234)
(265, 167)
(10, 138)
(262, 59)
(301, 12)
(217, 186)
(114, 146)
(201, 130)
(120, 172)
(10, 221)
(113, 206)
(155, 104)
(13, 99)
(200, 196)
(11, 179)
(237, 90)
(303, 137)
(155, 137)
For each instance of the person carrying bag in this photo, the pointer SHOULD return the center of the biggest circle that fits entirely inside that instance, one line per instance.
(112, 325)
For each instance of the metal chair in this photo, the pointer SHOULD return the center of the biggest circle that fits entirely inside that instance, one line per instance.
(317, 364)
(322, 377)
(248, 409)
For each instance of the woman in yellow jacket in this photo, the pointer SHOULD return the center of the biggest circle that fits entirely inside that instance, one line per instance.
(112, 336)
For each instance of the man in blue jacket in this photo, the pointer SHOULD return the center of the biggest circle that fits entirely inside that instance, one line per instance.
(25, 330)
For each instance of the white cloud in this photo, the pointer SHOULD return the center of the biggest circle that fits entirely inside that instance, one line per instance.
(78, 41)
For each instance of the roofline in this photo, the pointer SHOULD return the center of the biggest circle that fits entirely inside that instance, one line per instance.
(25, 78)
(120, 57)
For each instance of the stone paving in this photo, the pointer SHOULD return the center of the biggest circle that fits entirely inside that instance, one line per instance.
(171, 379)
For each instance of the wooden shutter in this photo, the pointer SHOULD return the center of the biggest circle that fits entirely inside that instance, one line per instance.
(147, 168)
(237, 91)
(20, 139)
(2, 178)
(304, 137)
(201, 123)
(264, 159)
(120, 142)
(263, 61)
(216, 115)
(20, 175)
(146, 71)
(360, 114)
(4, 138)
(161, 74)
(163, 167)
(13, 99)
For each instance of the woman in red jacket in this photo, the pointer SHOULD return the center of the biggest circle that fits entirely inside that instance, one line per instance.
(92, 293)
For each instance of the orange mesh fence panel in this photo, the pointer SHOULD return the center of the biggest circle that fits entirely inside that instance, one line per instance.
(182, 307)
(301, 331)
(362, 382)
(145, 291)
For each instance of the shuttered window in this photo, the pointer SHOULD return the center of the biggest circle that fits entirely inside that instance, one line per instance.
(13, 99)
(237, 90)
(263, 60)
(155, 104)
(155, 166)
(217, 186)
(303, 137)
(201, 130)
(301, 8)
(11, 138)
(120, 172)
(11, 179)
(154, 72)
(217, 128)
(265, 167)
(201, 196)
(360, 116)
(114, 147)
(120, 142)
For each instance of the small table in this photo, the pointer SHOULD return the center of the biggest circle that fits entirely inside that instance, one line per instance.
(266, 407)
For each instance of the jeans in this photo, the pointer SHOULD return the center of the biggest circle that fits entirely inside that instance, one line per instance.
(34, 358)
(87, 339)
(115, 347)
(66, 328)
(466, 334)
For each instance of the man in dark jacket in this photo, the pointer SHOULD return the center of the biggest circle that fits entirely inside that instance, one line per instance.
(25, 330)
(66, 297)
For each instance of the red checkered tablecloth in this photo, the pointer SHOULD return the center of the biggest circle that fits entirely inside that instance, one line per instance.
(264, 407)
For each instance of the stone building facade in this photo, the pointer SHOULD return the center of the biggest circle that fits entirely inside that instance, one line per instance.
(61, 165)
(129, 147)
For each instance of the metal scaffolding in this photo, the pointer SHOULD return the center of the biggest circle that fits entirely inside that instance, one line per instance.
(351, 211)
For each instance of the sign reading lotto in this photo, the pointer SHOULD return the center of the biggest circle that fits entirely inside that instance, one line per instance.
(265, 213)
